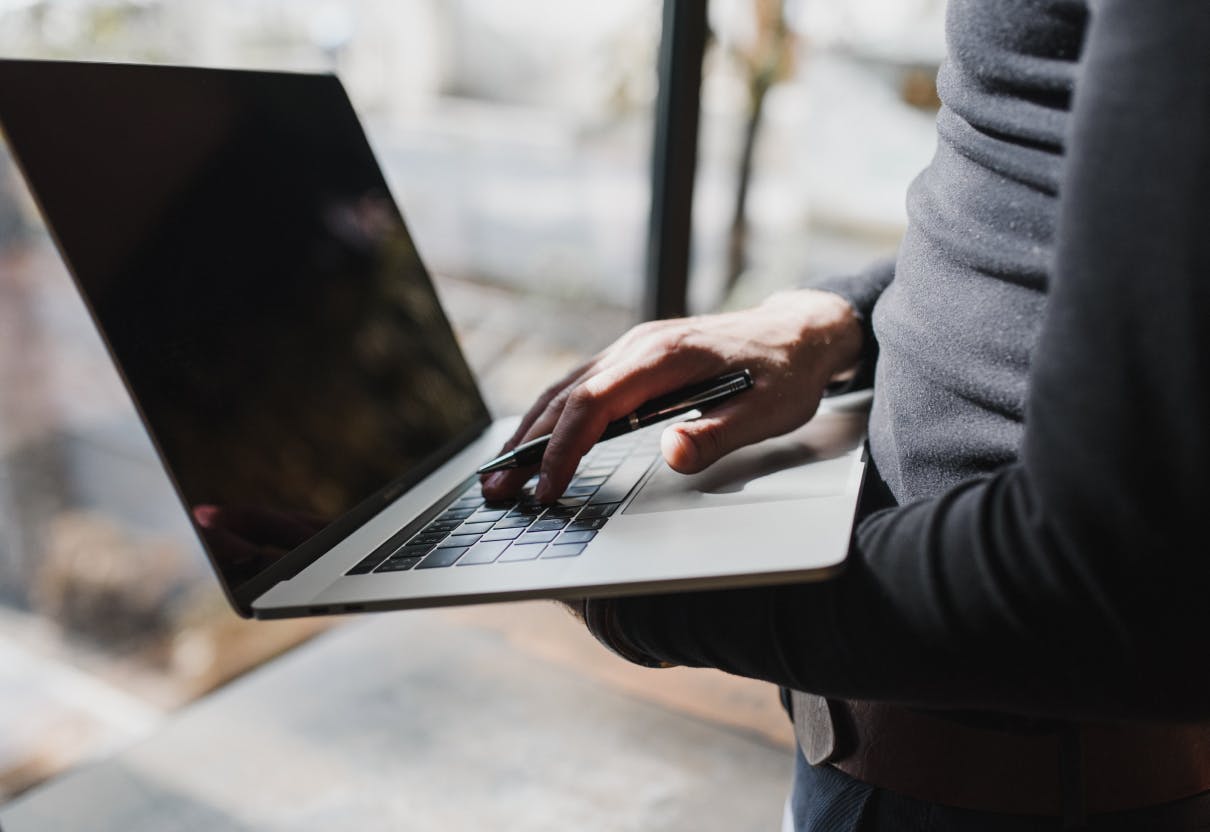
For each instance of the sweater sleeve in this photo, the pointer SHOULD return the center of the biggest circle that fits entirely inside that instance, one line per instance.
(862, 291)
(1073, 582)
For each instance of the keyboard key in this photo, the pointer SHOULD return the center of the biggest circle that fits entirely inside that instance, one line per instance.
(474, 528)
(602, 471)
(503, 534)
(471, 501)
(487, 516)
(427, 538)
(537, 537)
(398, 565)
(545, 525)
(622, 482)
(367, 565)
(563, 551)
(526, 511)
(563, 512)
(460, 540)
(602, 510)
(580, 525)
(456, 513)
(411, 551)
(527, 551)
(444, 526)
(442, 557)
(483, 553)
(580, 490)
(518, 522)
(584, 480)
(611, 462)
(571, 501)
(577, 537)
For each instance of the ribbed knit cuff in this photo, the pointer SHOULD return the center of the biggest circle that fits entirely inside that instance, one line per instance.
(601, 616)
(862, 291)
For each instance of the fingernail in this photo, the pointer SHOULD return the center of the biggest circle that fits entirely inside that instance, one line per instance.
(493, 481)
(542, 492)
(679, 450)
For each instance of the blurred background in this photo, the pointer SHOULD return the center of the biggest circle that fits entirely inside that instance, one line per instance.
(517, 138)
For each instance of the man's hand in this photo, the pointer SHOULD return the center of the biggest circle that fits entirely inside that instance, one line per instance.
(794, 343)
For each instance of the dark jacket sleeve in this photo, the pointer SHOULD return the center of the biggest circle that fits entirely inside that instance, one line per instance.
(1076, 581)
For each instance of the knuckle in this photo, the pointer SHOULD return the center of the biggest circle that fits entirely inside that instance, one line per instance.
(559, 399)
(583, 397)
(713, 442)
(540, 409)
(682, 341)
(671, 339)
(633, 335)
(557, 403)
(549, 394)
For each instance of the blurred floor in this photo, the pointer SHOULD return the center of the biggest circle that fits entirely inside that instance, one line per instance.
(428, 721)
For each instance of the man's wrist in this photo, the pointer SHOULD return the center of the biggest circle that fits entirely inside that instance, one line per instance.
(831, 327)
(844, 335)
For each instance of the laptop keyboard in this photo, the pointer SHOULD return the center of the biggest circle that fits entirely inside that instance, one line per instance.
(472, 532)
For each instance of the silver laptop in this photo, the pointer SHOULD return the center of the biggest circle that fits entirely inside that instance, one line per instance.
(237, 245)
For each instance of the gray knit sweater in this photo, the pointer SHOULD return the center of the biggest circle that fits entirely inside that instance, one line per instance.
(1042, 395)
(957, 326)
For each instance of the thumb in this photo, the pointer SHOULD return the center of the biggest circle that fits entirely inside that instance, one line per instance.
(689, 447)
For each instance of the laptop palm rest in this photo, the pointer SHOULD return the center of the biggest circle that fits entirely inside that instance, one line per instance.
(812, 461)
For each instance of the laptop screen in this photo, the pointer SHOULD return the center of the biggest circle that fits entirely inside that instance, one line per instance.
(237, 244)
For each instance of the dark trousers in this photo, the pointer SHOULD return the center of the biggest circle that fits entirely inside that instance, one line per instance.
(826, 800)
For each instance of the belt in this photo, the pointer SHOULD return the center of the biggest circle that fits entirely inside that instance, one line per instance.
(938, 759)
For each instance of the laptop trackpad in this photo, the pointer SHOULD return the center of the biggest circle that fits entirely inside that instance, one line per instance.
(813, 461)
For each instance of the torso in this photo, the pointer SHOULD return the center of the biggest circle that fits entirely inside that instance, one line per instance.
(958, 325)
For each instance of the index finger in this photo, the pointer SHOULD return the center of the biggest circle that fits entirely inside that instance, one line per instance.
(538, 421)
(607, 395)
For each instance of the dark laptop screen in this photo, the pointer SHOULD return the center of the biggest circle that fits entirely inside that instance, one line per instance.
(237, 244)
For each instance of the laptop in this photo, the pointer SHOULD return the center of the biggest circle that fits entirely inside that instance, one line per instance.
(239, 250)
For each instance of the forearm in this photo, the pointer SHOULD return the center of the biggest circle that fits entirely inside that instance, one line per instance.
(1065, 583)
(956, 603)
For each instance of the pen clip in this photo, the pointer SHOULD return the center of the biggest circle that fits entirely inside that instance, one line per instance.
(660, 408)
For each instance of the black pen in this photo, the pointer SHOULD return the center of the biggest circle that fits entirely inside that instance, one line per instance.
(693, 397)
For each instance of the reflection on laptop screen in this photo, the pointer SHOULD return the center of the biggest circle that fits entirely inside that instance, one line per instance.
(236, 241)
